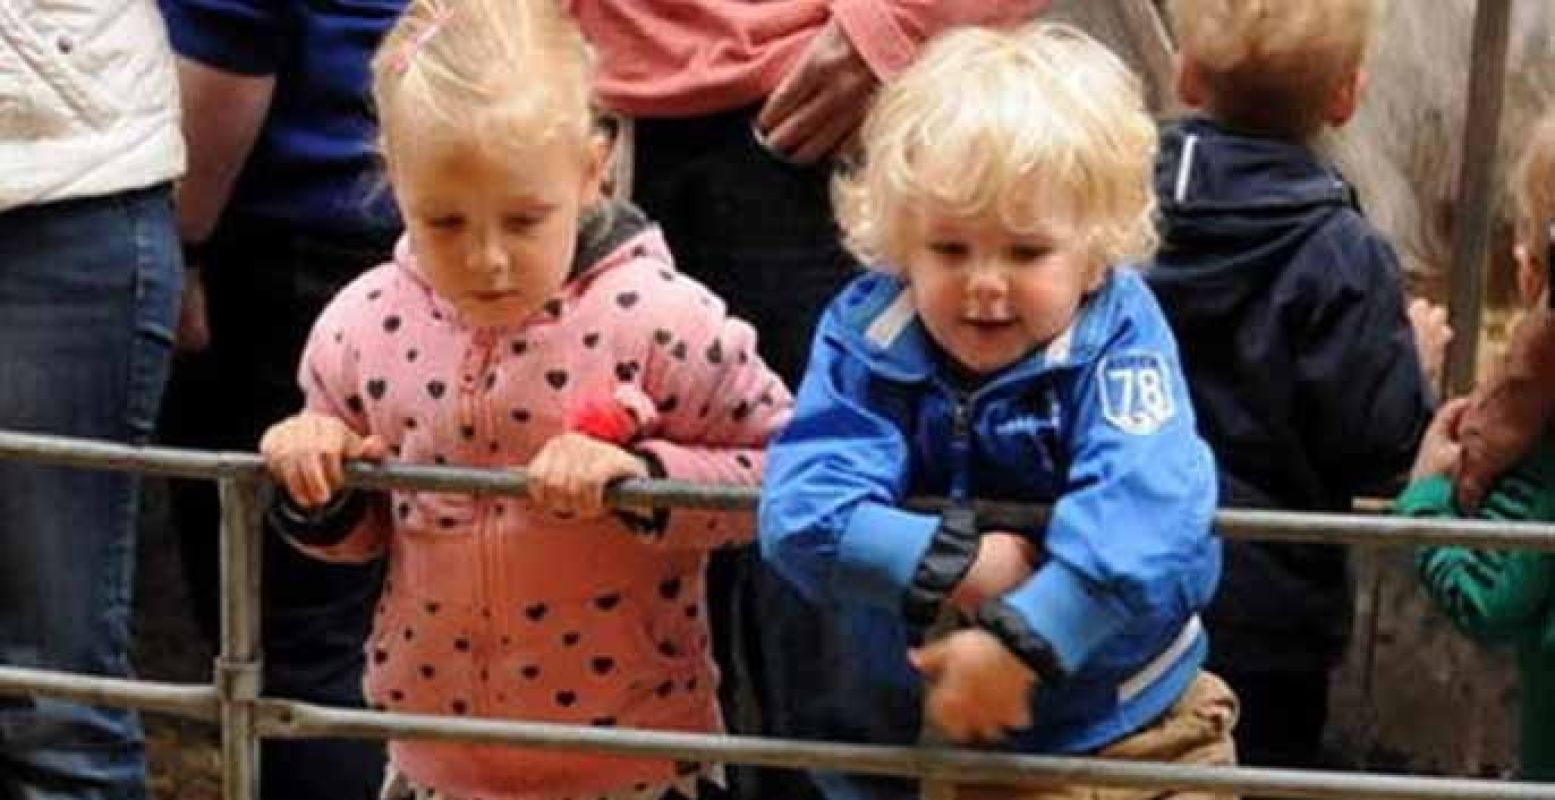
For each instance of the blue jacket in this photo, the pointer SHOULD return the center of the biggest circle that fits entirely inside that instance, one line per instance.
(1098, 423)
(1289, 308)
(314, 168)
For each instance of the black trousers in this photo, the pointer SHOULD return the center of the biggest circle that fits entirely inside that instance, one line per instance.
(760, 233)
(265, 287)
(1282, 717)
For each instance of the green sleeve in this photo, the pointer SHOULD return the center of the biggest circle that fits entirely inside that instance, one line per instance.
(1493, 595)
(1428, 497)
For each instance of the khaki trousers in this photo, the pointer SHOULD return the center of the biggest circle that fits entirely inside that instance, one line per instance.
(1196, 730)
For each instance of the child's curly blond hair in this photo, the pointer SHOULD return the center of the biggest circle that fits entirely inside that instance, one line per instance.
(1035, 126)
(1272, 67)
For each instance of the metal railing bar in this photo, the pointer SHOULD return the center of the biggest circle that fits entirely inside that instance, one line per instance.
(1371, 530)
(65, 451)
(284, 718)
(291, 719)
(1366, 530)
(190, 701)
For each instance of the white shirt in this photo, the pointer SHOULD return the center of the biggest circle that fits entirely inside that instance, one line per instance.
(88, 100)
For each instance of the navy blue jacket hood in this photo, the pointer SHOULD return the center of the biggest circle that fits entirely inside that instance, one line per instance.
(1235, 212)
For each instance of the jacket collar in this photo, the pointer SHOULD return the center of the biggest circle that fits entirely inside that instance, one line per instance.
(1206, 167)
(879, 325)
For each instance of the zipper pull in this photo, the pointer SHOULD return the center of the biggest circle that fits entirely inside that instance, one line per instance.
(961, 449)
(472, 370)
(961, 418)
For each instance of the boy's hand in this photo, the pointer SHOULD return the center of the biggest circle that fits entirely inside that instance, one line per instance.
(1004, 561)
(1440, 453)
(978, 689)
(306, 454)
(570, 474)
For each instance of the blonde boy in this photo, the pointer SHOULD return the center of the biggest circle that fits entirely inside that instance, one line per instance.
(1273, 68)
(1290, 312)
(997, 352)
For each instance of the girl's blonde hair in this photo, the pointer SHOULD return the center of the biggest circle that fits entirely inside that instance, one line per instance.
(1272, 66)
(1533, 189)
(1024, 124)
(504, 72)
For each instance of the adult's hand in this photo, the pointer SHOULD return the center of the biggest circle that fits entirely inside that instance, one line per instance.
(222, 115)
(821, 101)
(194, 332)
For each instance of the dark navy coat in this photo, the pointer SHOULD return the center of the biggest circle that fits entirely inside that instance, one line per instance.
(1289, 310)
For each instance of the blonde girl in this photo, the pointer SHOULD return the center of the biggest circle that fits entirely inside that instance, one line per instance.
(524, 320)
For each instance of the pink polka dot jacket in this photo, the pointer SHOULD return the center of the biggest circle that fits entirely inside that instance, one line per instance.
(494, 609)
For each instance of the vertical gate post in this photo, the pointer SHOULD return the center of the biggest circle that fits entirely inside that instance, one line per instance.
(238, 664)
(1476, 190)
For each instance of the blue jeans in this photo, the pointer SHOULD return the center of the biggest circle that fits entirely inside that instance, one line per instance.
(88, 298)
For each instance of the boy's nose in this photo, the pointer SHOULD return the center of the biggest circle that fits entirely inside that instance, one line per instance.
(987, 292)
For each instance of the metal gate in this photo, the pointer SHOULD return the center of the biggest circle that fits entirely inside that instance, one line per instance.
(235, 700)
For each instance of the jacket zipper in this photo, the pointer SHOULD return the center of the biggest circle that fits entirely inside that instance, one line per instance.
(961, 449)
(472, 423)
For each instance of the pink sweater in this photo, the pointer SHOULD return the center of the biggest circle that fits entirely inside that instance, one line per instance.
(673, 58)
(494, 609)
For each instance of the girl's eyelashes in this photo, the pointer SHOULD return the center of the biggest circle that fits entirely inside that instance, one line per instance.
(523, 222)
(513, 223)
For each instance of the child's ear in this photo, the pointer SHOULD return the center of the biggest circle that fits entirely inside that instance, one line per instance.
(1346, 99)
(1190, 83)
(595, 165)
(1097, 277)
